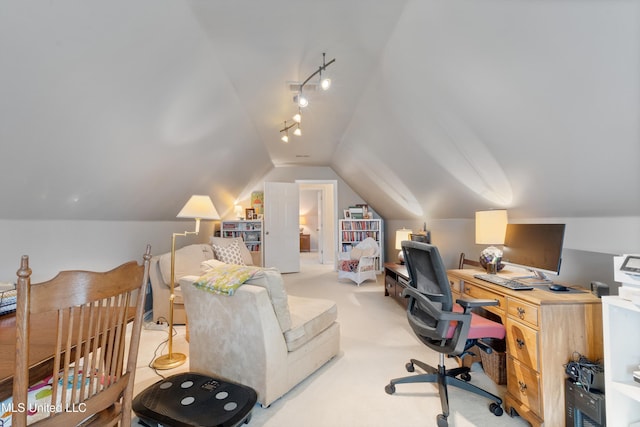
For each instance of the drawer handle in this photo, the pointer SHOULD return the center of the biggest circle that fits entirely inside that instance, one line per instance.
(519, 343)
(522, 386)
(521, 312)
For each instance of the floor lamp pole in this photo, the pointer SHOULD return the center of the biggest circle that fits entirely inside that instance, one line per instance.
(172, 360)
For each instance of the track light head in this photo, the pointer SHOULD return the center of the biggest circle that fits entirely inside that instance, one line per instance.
(298, 117)
(301, 100)
(285, 138)
(325, 83)
(298, 131)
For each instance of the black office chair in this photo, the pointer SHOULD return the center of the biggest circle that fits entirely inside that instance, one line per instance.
(443, 326)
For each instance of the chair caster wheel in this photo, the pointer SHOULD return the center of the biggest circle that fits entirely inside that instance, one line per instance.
(465, 377)
(390, 388)
(442, 421)
(409, 367)
(496, 409)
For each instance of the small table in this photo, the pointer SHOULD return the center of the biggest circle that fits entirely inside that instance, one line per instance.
(305, 242)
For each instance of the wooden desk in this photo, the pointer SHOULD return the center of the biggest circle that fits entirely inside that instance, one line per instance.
(42, 343)
(544, 329)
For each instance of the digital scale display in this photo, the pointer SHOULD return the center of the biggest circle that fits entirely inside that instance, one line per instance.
(631, 264)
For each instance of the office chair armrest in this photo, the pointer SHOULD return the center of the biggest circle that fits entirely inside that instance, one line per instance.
(468, 304)
(413, 292)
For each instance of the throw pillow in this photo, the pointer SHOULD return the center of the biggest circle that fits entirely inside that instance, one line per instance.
(229, 254)
(226, 241)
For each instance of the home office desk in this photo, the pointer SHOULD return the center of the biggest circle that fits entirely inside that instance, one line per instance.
(41, 345)
(544, 329)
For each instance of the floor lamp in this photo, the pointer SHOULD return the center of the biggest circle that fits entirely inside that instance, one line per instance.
(198, 207)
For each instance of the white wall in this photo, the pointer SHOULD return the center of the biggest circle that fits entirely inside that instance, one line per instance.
(53, 246)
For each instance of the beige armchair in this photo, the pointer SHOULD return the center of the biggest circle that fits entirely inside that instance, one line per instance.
(260, 336)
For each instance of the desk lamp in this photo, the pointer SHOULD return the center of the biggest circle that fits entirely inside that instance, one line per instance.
(491, 227)
(198, 207)
(401, 235)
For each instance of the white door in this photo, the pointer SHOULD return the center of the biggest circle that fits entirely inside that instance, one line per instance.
(282, 226)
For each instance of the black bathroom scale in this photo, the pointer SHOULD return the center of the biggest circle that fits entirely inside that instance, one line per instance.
(190, 399)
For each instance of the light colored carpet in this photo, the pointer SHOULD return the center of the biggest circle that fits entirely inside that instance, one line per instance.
(376, 343)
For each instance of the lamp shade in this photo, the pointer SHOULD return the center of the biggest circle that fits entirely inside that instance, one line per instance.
(199, 207)
(491, 227)
(401, 235)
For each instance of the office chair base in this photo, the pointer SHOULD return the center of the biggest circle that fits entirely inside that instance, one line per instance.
(443, 378)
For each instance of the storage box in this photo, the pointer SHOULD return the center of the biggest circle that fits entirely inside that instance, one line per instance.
(495, 363)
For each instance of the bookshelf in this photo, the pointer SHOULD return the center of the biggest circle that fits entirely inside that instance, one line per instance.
(353, 231)
(249, 230)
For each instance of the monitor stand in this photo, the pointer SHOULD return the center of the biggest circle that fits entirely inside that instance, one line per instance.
(537, 278)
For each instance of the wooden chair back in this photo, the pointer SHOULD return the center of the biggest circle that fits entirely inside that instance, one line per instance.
(466, 261)
(92, 381)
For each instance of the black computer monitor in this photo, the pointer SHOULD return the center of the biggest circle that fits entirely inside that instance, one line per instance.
(535, 247)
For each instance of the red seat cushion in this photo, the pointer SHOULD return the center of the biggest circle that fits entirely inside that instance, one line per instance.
(481, 327)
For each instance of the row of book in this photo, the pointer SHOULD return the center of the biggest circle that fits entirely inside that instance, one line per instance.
(358, 236)
(247, 236)
(360, 225)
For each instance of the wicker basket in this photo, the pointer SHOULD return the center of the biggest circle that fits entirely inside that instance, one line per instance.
(495, 363)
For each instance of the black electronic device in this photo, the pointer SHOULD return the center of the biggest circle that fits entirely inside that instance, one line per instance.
(535, 247)
(423, 237)
(558, 288)
(190, 399)
(599, 289)
(583, 408)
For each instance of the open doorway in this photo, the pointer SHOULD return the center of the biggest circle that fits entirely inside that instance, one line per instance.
(318, 221)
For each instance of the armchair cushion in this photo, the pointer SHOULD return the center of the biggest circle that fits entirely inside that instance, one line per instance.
(309, 317)
(271, 280)
(188, 261)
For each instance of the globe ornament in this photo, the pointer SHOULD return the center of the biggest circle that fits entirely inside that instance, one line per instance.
(488, 255)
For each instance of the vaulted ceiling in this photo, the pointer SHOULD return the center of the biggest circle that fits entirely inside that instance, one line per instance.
(120, 110)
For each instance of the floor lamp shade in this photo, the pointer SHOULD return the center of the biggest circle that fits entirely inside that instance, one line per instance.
(199, 207)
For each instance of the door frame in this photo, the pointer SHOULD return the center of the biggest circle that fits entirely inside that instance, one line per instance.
(329, 223)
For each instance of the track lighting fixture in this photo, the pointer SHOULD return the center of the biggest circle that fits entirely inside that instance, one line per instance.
(302, 101)
(285, 129)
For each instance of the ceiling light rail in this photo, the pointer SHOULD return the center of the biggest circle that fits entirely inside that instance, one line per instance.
(302, 101)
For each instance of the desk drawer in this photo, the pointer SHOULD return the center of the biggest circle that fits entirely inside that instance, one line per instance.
(524, 384)
(523, 311)
(455, 284)
(480, 293)
(522, 343)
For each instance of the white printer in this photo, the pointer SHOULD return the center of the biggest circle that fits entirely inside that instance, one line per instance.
(626, 270)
